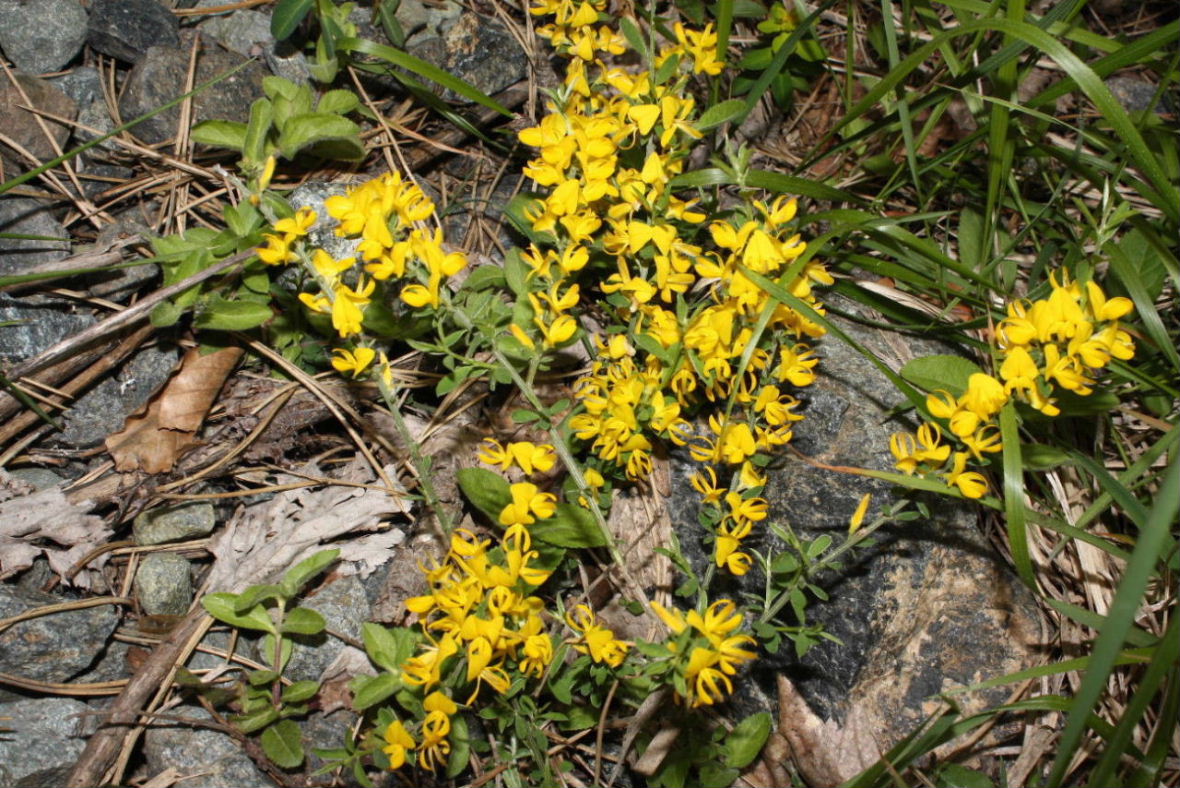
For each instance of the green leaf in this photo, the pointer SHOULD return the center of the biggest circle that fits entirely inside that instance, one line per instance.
(719, 113)
(460, 747)
(258, 130)
(635, 38)
(255, 720)
(338, 102)
(952, 774)
(303, 621)
(256, 595)
(166, 313)
(302, 573)
(488, 491)
(300, 691)
(286, 17)
(946, 373)
(746, 740)
(570, 526)
(1041, 457)
(389, 648)
(368, 691)
(220, 134)
(334, 136)
(714, 775)
(486, 277)
(516, 272)
(221, 607)
(242, 219)
(282, 743)
(221, 314)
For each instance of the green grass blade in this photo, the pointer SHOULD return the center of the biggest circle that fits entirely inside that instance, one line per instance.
(1120, 618)
(780, 293)
(1136, 657)
(1153, 324)
(1162, 661)
(762, 179)
(1165, 195)
(1136, 636)
(407, 61)
(1014, 508)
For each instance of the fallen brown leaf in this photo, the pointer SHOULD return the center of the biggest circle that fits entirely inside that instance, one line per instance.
(44, 522)
(824, 752)
(152, 440)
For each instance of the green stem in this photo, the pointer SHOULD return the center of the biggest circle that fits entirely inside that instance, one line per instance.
(567, 457)
(425, 481)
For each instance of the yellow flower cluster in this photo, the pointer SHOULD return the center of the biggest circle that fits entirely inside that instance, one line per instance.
(433, 749)
(1056, 342)
(607, 153)
(707, 652)
(382, 213)
(478, 610)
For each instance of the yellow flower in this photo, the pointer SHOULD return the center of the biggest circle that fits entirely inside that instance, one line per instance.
(528, 504)
(348, 307)
(425, 668)
(276, 251)
(347, 362)
(728, 555)
(709, 684)
(298, 225)
(397, 742)
(597, 641)
(970, 483)
(746, 510)
(526, 455)
(704, 481)
(1102, 308)
(434, 747)
(858, 517)
(702, 47)
(538, 653)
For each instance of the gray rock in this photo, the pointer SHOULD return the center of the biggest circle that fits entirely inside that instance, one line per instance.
(126, 29)
(25, 216)
(930, 606)
(103, 409)
(246, 31)
(174, 523)
(42, 737)
(324, 731)
(21, 126)
(40, 478)
(323, 234)
(159, 78)
(477, 50)
(164, 584)
(421, 20)
(213, 759)
(41, 35)
(1136, 95)
(30, 324)
(344, 606)
(84, 86)
(55, 647)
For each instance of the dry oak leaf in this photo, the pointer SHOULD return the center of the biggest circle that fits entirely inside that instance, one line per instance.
(153, 439)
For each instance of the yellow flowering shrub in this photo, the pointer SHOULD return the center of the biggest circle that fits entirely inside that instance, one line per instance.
(664, 290)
